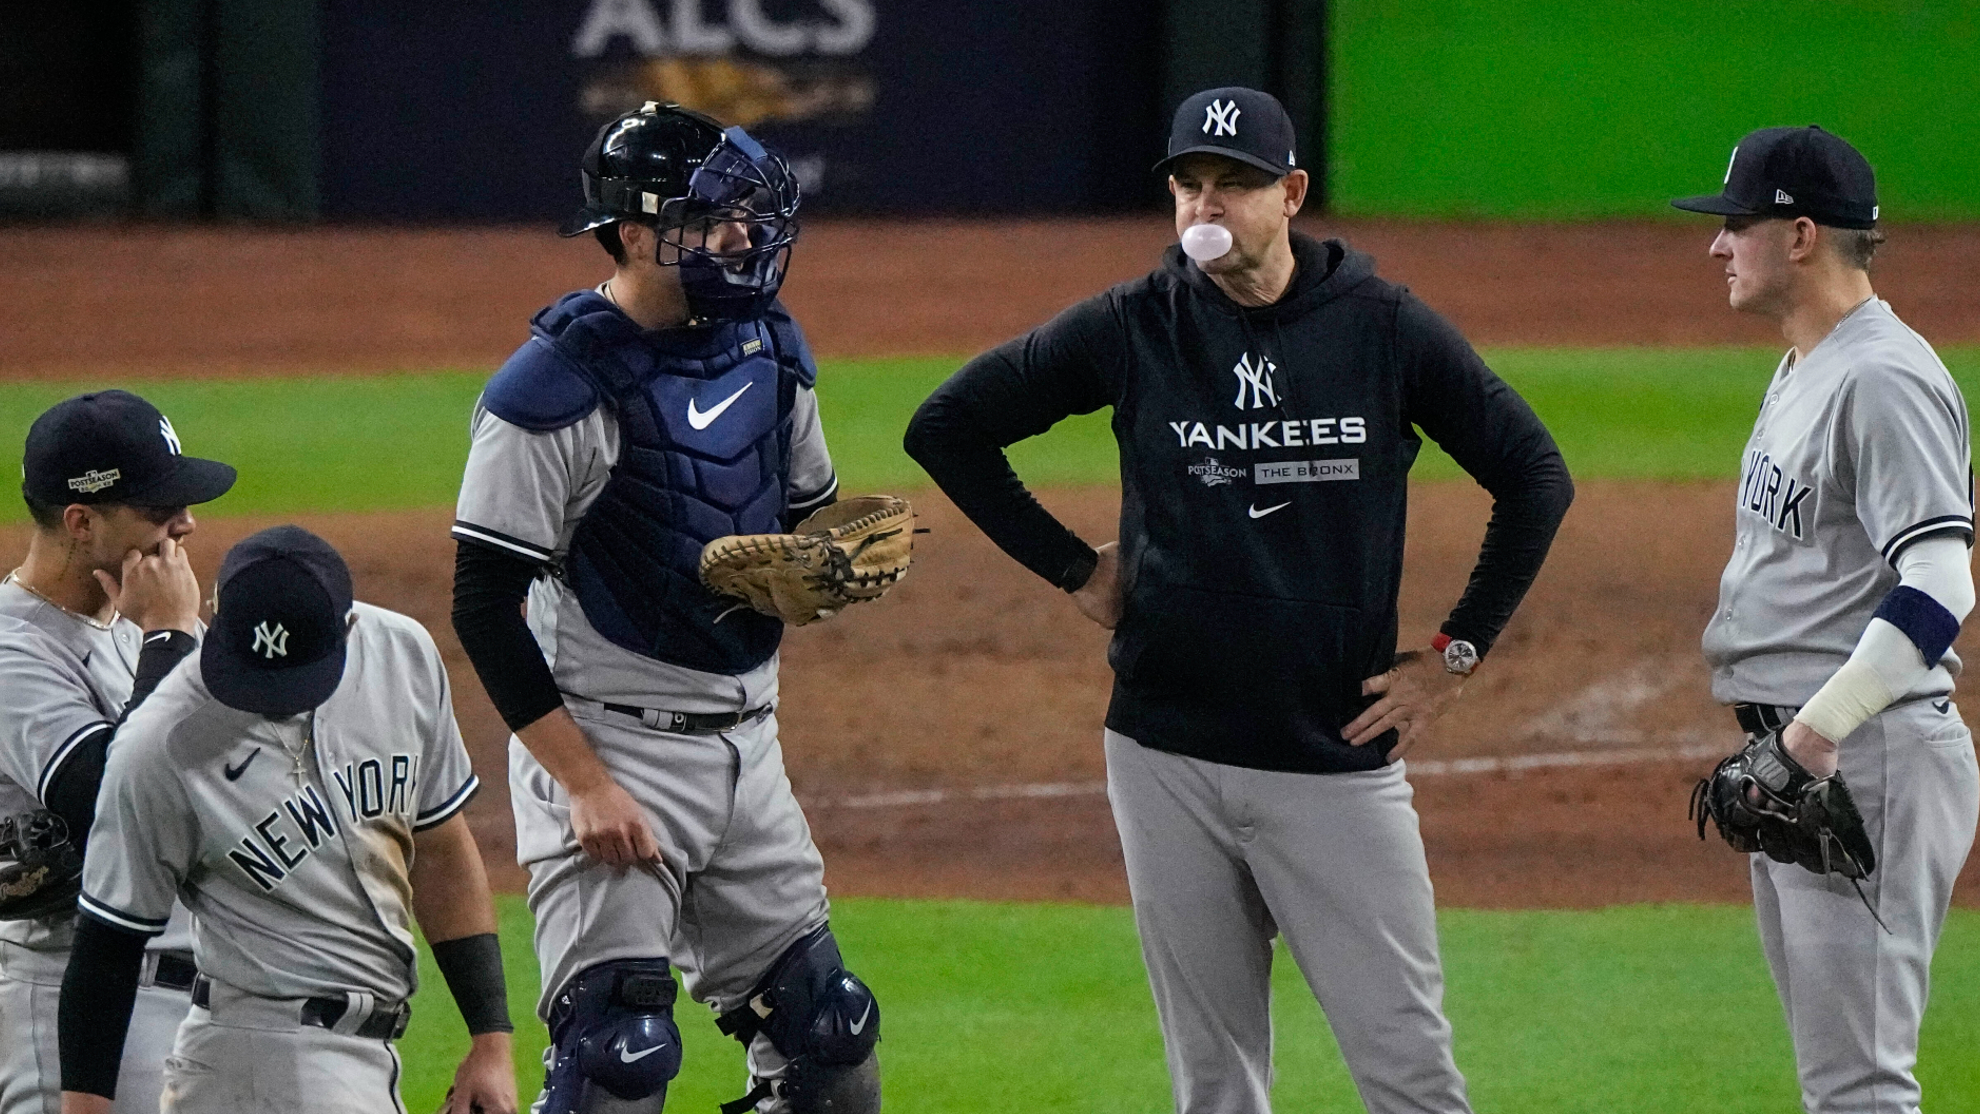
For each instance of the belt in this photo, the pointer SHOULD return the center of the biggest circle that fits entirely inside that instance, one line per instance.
(171, 970)
(690, 723)
(371, 1019)
(1758, 719)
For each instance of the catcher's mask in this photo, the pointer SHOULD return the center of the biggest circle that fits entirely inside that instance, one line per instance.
(725, 208)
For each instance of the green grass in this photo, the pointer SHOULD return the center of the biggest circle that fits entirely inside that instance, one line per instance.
(382, 442)
(991, 1007)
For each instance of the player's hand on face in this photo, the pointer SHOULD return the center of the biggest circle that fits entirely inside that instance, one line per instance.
(485, 1083)
(1413, 695)
(157, 591)
(1816, 753)
(611, 827)
(1099, 599)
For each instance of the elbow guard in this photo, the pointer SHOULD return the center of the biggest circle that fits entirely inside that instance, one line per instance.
(1923, 619)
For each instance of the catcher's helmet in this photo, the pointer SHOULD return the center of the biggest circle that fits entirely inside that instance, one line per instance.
(681, 172)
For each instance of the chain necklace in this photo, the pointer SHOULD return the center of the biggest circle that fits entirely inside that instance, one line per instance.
(89, 620)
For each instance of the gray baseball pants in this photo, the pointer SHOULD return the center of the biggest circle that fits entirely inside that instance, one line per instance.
(1855, 995)
(1222, 859)
(30, 1065)
(249, 1055)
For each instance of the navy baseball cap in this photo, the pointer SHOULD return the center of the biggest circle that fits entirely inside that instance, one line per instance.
(1237, 123)
(114, 447)
(1795, 172)
(276, 645)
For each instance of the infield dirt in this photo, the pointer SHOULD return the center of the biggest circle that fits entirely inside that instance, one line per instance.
(974, 675)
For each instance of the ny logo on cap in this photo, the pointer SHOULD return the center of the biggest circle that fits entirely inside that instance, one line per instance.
(270, 641)
(1257, 379)
(1221, 115)
(171, 435)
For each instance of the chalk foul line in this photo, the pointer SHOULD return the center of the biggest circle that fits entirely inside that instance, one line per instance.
(1426, 767)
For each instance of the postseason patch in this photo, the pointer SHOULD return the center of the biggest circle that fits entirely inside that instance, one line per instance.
(1307, 471)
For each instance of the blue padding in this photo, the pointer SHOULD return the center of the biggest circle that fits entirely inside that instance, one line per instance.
(1923, 619)
(792, 348)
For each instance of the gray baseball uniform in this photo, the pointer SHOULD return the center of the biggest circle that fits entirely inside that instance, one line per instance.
(65, 678)
(740, 880)
(290, 841)
(1861, 448)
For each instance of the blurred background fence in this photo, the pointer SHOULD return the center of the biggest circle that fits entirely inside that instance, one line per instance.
(474, 110)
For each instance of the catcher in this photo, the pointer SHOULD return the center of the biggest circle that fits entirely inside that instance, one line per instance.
(654, 440)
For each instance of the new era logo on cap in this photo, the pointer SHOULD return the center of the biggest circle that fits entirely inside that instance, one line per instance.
(1781, 198)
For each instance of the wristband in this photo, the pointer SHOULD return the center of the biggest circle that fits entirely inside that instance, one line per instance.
(472, 966)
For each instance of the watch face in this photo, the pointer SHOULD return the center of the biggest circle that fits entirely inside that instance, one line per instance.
(1460, 657)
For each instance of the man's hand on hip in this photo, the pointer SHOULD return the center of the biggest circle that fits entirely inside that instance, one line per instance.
(1099, 599)
(1413, 695)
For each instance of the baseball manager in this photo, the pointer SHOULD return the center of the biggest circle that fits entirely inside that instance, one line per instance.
(1849, 578)
(102, 608)
(1267, 393)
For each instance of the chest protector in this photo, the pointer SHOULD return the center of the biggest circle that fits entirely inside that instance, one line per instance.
(704, 418)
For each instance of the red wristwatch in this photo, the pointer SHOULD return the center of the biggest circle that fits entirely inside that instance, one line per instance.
(1460, 657)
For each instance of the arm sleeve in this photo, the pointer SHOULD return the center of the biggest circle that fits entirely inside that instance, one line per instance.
(162, 652)
(1014, 391)
(1494, 435)
(70, 781)
(1888, 661)
(145, 839)
(94, 1015)
(1908, 457)
(813, 482)
(489, 587)
(447, 780)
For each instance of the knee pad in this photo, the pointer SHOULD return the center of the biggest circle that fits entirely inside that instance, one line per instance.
(824, 1021)
(613, 1043)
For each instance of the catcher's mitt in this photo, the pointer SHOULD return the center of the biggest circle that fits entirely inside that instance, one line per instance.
(852, 550)
(40, 870)
(1763, 800)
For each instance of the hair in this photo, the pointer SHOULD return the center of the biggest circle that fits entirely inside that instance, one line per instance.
(614, 244)
(47, 516)
(1857, 246)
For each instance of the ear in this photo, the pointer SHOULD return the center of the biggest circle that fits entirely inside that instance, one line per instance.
(1295, 184)
(79, 522)
(1802, 239)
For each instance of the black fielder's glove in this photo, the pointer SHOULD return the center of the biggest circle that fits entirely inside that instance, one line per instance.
(1764, 801)
(40, 870)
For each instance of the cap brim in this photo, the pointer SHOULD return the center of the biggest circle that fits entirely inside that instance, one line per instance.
(268, 692)
(193, 481)
(586, 219)
(1244, 157)
(1716, 204)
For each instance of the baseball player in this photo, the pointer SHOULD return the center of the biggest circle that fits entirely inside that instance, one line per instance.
(103, 606)
(299, 785)
(667, 408)
(1267, 391)
(1848, 581)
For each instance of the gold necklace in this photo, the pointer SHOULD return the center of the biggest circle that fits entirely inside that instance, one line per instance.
(15, 578)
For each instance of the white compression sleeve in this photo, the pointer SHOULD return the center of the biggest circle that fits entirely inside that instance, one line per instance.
(1886, 663)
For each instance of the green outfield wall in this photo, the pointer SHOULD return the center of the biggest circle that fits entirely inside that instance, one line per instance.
(1579, 108)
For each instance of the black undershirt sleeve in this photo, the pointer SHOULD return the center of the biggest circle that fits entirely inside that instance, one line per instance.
(1018, 390)
(71, 793)
(489, 588)
(1494, 435)
(472, 966)
(98, 990)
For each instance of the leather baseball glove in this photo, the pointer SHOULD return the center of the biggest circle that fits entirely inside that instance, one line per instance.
(853, 550)
(1763, 800)
(40, 870)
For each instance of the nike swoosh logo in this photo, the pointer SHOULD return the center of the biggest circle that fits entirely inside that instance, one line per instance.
(234, 772)
(1256, 513)
(702, 420)
(1943, 706)
(626, 1057)
(860, 1025)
